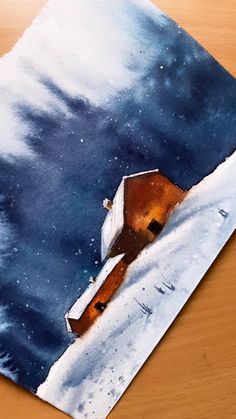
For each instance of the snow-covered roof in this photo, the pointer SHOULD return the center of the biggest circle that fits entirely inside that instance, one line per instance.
(80, 305)
(114, 220)
(141, 173)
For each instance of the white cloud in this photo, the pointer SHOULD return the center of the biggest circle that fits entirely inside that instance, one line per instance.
(6, 235)
(87, 48)
(11, 134)
(4, 323)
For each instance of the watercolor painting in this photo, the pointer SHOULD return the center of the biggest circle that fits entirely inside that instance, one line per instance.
(117, 160)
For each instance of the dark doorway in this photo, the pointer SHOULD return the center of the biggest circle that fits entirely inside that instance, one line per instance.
(155, 227)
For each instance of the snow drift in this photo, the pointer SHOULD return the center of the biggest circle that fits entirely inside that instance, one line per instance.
(93, 373)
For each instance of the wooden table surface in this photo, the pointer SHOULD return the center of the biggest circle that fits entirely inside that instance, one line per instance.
(192, 372)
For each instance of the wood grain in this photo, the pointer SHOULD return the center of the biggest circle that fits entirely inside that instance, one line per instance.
(192, 372)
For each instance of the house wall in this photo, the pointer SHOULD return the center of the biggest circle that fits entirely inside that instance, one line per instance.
(147, 197)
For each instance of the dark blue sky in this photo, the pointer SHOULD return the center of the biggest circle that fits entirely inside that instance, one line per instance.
(180, 118)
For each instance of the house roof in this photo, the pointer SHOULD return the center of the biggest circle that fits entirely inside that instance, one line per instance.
(114, 220)
(80, 305)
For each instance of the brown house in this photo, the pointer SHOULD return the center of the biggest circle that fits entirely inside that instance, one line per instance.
(138, 213)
